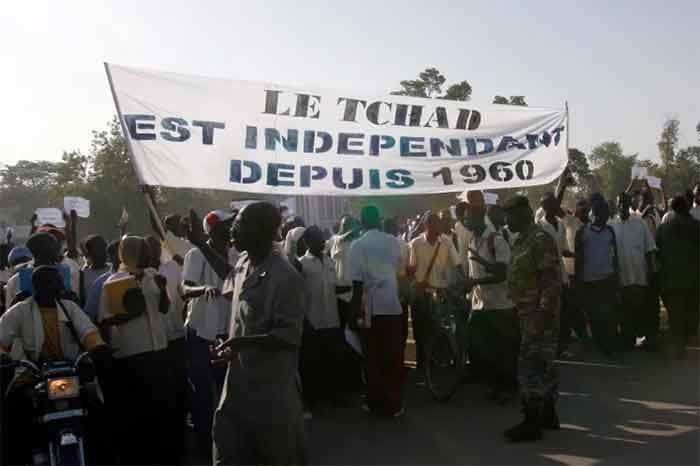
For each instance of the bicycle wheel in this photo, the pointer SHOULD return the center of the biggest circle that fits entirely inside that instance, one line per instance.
(442, 369)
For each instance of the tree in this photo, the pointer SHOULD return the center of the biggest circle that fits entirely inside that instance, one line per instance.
(684, 173)
(26, 186)
(581, 171)
(71, 175)
(668, 142)
(514, 100)
(612, 168)
(459, 91)
(429, 85)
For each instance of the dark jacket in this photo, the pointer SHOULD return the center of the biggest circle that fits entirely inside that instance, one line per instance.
(678, 242)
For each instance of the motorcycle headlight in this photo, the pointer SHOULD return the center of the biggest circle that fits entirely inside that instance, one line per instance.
(65, 387)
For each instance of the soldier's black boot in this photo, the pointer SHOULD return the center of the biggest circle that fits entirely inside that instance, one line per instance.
(530, 429)
(550, 418)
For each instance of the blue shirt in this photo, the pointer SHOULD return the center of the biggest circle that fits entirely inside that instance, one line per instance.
(92, 305)
(598, 253)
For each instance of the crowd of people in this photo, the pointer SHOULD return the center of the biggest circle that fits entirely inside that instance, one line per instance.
(243, 323)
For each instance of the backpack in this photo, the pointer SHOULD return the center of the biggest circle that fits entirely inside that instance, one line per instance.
(25, 278)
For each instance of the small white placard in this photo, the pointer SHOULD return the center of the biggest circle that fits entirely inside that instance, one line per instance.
(50, 215)
(490, 198)
(79, 204)
(654, 182)
(639, 173)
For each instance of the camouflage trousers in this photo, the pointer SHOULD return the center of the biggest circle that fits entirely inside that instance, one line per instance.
(539, 381)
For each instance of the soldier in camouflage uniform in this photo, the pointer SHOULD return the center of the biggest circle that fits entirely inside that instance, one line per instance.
(535, 286)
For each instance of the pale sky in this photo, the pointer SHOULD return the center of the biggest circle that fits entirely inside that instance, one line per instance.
(623, 66)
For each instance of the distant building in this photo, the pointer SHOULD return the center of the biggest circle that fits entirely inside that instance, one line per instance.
(322, 211)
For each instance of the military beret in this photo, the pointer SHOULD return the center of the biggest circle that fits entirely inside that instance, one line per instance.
(515, 202)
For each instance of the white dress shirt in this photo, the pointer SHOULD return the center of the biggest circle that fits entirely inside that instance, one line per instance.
(374, 261)
(634, 242)
(493, 296)
(207, 317)
(320, 282)
(340, 253)
(174, 319)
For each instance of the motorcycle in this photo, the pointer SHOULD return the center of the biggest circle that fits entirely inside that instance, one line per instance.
(60, 400)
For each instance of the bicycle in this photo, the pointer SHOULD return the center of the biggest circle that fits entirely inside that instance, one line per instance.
(445, 352)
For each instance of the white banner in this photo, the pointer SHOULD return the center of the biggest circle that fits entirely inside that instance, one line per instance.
(79, 204)
(198, 132)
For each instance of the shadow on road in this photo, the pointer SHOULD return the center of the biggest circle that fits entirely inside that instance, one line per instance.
(637, 408)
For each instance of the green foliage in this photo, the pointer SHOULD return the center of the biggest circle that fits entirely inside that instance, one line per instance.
(668, 142)
(429, 84)
(514, 100)
(612, 168)
(26, 186)
(581, 171)
(460, 91)
(684, 173)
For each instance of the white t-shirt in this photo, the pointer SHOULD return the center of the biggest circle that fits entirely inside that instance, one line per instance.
(340, 253)
(22, 326)
(174, 319)
(494, 296)
(374, 261)
(208, 318)
(559, 236)
(422, 253)
(321, 303)
(634, 241)
(147, 332)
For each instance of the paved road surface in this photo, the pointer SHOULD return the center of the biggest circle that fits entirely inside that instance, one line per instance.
(635, 409)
